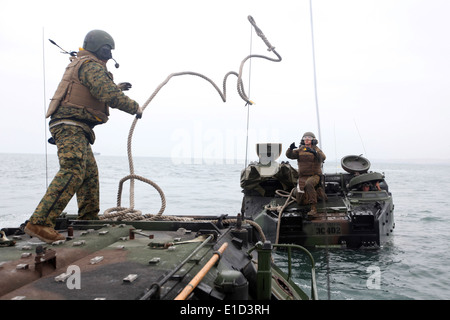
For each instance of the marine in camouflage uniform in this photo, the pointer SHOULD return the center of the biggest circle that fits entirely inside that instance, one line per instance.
(80, 103)
(309, 159)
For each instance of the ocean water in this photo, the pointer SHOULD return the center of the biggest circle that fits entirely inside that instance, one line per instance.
(413, 264)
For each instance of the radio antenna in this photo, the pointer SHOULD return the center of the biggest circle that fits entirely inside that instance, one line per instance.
(72, 53)
(45, 109)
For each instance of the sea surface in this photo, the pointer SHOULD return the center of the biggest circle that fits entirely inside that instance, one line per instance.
(413, 264)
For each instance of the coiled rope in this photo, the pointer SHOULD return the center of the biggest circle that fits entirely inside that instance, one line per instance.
(280, 209)
(126, 214)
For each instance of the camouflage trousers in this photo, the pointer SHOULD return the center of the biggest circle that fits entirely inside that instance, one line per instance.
(308, 185)
(78, 174)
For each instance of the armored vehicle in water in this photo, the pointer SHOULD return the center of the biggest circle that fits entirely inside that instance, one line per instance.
(126, 255)
(164, 259)
(348, 216)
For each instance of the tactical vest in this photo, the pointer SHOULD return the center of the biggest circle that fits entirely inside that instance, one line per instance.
(71, 92)
(307, 164)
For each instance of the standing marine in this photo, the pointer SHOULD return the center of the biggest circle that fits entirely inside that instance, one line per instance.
(309, 159)
(81, 101)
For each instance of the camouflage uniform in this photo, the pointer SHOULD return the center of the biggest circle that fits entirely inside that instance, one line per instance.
(71, 128)
(309, 171)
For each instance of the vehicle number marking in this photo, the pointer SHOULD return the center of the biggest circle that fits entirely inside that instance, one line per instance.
(328, 228)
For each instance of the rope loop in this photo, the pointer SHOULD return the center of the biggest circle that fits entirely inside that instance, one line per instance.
(129, 214)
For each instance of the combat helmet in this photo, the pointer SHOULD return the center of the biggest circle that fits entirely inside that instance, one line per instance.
(96, 39)
(310, 134)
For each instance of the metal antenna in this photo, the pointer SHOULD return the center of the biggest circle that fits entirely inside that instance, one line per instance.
(45, 110)
(72, 53)
(315, 78)
(320, 137)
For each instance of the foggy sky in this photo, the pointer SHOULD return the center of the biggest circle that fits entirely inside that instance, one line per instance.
(382, 71)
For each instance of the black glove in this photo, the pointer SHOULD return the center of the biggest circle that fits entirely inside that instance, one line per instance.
(292, 146)
(52, 141)
(124, 86)
(314, 152)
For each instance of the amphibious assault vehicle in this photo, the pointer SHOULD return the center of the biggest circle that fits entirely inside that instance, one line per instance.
(347, 216)
(190, 259)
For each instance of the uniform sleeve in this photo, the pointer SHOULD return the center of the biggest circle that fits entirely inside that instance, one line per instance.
(292, 154)
(102, 87)
(321, 155)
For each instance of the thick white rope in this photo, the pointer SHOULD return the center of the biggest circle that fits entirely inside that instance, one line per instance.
(124, 214)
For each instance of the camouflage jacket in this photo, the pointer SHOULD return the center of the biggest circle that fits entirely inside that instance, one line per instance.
(308, 163)
(96, 78)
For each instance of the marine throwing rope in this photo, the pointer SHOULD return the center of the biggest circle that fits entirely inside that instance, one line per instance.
(121, 213)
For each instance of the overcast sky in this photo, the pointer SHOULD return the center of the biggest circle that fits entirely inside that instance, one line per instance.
(382, 67)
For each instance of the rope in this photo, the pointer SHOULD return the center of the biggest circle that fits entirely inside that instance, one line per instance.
(249, 87)
(289, 199)
(130, 214)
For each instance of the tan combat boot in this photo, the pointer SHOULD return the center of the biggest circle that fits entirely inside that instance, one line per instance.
(46, 234)
(313, 210)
